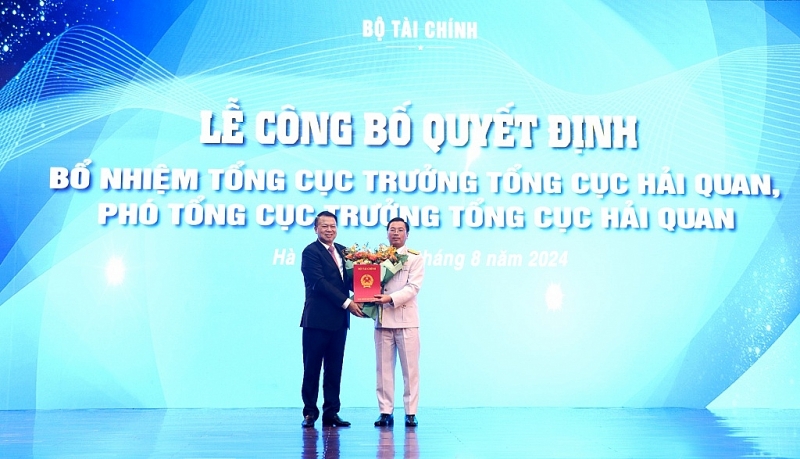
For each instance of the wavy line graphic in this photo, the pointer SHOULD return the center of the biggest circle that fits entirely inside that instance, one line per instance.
(81, 76)
(87, 73)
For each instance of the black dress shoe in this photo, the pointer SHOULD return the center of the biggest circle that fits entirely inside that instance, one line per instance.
(411, 420)
(335, 421)
(384, 420)
(308, 421)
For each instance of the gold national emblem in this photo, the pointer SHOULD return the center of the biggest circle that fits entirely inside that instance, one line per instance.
(367, 281)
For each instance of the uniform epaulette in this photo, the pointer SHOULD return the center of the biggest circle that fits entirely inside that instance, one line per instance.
(412, 251)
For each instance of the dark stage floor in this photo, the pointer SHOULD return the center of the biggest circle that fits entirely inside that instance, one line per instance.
(443, 433)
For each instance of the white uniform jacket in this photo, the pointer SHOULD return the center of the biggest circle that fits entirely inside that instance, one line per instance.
(403, 288)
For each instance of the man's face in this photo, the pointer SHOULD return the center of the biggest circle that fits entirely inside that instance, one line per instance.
(397, 234)
(326, 229)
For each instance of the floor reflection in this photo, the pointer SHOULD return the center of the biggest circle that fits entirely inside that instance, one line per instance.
(325, 445)
(444, 433)
(386, 443)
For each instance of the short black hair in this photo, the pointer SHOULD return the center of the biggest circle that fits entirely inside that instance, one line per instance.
(398, 219)
(325, 213)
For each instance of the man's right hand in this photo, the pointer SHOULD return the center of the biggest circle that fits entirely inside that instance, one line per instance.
(355, 309)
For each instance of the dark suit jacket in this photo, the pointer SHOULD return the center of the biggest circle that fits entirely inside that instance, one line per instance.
(326, 292)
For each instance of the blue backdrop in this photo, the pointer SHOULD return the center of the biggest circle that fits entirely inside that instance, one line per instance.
(531, 297)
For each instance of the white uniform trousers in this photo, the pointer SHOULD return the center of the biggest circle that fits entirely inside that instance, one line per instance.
(389, 343)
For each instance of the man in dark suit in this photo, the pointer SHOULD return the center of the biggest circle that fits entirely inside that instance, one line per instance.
(325, 322)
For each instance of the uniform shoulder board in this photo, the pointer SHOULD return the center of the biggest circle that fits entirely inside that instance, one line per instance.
(413, 252)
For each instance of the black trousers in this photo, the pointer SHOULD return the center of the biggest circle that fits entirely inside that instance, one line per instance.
(322, 348)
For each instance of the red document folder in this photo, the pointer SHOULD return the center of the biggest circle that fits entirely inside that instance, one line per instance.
(366, 283)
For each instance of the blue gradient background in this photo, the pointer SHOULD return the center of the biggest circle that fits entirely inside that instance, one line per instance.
(205, 319)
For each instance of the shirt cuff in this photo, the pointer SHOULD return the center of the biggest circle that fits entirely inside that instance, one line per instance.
(346, 303)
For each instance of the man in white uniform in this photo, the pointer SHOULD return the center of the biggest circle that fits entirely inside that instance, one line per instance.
(397, 333)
